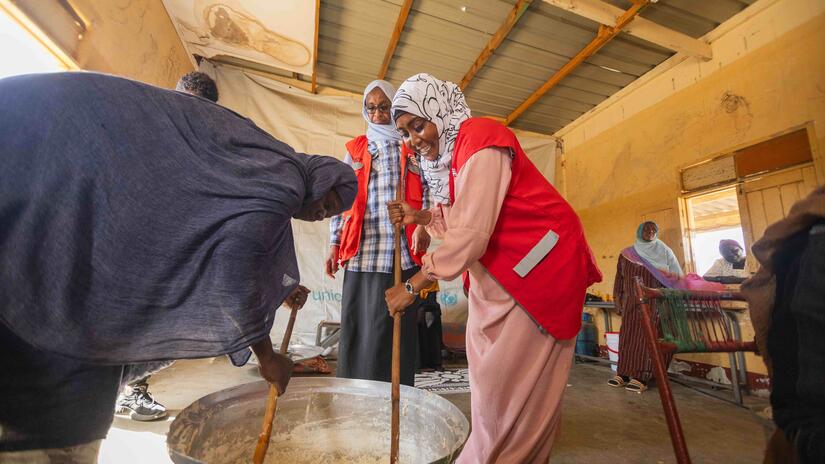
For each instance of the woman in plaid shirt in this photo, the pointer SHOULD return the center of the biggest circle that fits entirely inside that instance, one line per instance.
(361, 240)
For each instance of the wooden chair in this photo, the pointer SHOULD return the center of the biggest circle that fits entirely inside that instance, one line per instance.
(689, 322)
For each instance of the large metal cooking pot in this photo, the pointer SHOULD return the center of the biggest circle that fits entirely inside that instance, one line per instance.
(320, 420)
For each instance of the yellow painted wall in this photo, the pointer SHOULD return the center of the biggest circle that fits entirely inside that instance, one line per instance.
(132, 38)
(632, 169)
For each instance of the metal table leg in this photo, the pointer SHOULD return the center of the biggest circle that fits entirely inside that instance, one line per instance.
(737, 361)
(320, 340)
(740, 356)
(608, 324)
(734, 373)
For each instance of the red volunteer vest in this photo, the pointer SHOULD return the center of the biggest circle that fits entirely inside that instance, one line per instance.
(354, 218)
(538, 251)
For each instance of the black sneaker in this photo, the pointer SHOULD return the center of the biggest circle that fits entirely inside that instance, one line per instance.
(140, 405)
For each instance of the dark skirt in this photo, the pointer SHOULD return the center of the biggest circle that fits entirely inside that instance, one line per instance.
(365, 348)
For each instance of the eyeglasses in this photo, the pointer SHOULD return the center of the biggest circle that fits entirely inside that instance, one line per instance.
(380, 108)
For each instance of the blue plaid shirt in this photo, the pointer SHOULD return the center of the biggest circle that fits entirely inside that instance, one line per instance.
(376, 249)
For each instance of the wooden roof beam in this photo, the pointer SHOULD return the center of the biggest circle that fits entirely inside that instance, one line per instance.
(314, 82)
(512, 18)
(605, 35)
(396, 35)
(604, 13)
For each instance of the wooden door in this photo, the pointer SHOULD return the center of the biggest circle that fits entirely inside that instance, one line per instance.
(768, 199)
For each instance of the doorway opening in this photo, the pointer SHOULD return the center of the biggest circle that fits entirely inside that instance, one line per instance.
(713, 217)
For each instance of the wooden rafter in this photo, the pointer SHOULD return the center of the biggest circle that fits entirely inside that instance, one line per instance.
(604, 13)
(605, 35)
(512, 18)
(314, 84)
(396, 35)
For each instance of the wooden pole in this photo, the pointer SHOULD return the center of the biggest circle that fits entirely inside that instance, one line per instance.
(396, 337)
(605, 35)
(272, 400)
(396, 36)
(314, 82)
(512, 18)
(605, 13)
(396, 386)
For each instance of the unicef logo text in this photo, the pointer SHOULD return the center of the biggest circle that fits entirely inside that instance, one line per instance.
(318, 295)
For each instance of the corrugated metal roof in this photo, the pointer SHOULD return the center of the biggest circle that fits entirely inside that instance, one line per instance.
(442, 38)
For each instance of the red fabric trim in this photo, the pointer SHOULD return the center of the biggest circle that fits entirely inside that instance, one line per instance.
(354, 218)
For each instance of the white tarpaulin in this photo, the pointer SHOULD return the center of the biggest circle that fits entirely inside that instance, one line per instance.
(322, 124)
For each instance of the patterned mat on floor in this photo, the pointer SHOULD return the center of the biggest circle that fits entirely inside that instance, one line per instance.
(446, 381)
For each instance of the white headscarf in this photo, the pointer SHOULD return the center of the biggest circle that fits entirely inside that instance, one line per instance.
(656, 252)
(379, 132)
(442, 103)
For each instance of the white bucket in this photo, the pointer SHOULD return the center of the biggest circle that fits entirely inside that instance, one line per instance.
(612, 341)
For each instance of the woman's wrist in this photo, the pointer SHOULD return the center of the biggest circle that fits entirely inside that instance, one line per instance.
(419, 281)
(263, 349)
(423, 217)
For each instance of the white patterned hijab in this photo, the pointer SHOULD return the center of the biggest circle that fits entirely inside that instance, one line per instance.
(442, 103)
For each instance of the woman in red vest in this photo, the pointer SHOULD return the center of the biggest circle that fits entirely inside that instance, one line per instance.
(361, 240)
(529, 266)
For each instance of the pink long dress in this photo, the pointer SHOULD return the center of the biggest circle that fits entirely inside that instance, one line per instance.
(517, 373)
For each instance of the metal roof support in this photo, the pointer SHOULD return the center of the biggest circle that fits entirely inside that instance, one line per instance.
(314, 84)
(604, 13)
(512, 18)
(605, 35)
(396, 35)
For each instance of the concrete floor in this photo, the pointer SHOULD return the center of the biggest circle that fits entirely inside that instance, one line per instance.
(600, 424)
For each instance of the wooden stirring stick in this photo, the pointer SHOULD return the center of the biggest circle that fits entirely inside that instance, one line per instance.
(272, 400)
(396, 335)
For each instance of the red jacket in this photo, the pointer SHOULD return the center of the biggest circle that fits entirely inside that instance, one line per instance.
(353, 219)
(547, 278)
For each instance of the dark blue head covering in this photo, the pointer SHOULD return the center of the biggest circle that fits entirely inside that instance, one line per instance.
(325, 174)
(141, 224)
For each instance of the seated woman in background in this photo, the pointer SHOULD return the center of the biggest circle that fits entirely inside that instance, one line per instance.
(730, 268)
(654, 262)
